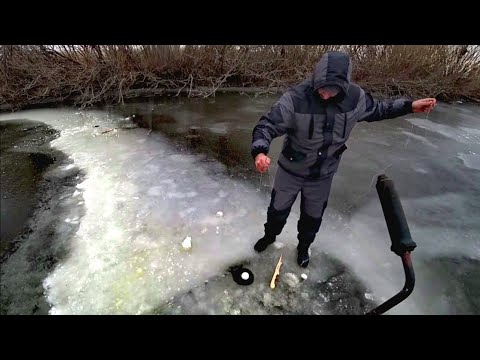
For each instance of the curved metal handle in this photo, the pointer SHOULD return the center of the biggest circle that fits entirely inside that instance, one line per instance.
(404, 293)
(402, 243)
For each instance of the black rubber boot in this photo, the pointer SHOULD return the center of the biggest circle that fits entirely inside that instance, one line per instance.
(302, 255)
(263, 243)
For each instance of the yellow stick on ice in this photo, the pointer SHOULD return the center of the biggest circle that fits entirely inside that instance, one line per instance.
(276, 273)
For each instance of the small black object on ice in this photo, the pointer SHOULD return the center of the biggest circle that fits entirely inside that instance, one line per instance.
(242, 275)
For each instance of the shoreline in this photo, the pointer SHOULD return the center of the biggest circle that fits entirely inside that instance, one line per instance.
(112, 98)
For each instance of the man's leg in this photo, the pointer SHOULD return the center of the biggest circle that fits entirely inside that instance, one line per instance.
(313, 203)
(284, 192)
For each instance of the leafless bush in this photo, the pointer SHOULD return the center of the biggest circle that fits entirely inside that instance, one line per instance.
(88, 74)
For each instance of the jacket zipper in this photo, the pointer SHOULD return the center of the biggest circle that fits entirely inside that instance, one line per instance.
(310, 130)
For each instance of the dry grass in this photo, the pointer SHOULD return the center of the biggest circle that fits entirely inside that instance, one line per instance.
(89, 74)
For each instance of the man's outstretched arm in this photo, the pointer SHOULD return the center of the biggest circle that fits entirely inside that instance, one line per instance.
(377, 110)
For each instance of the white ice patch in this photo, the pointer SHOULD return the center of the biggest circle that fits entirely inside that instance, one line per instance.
(139, 203)
(420, 170)
(471, 161)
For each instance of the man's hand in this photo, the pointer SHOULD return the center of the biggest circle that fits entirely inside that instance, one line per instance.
(423, 105)
(262, 162)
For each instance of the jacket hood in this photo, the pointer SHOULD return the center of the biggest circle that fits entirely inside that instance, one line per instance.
(333, 68)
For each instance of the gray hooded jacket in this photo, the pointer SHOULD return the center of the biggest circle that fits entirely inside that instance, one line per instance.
(317, 129)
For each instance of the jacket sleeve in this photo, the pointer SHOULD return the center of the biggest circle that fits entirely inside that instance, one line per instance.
(273, 124)
(377, 110)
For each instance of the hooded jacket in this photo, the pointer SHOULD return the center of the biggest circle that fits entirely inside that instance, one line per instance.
(317, 129)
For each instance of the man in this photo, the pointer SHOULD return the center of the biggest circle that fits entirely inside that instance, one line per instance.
(317, 115)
